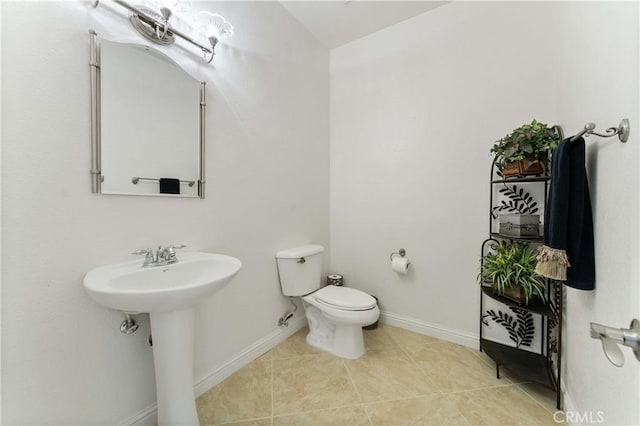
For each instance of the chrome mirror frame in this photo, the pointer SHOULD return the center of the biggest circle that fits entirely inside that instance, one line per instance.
(96, 173)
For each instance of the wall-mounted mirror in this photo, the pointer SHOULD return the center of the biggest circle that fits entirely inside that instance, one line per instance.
(147, 122)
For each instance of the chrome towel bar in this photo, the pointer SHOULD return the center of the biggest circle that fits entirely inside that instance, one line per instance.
(137, 179)
(622, 131)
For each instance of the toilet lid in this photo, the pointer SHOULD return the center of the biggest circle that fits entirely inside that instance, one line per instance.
(345, 298)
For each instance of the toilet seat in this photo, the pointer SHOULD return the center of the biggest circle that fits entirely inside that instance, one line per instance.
(344, 298)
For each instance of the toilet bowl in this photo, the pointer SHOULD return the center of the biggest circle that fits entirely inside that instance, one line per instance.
(335, 314)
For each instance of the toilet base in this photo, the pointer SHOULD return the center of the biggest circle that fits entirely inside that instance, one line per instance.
(341, 339)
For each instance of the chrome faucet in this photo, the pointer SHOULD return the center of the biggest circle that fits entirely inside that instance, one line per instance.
(162, 256)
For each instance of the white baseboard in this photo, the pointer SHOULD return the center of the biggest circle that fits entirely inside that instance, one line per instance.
(568, 404)
(249, 354)
(435, 330)
(148, 416)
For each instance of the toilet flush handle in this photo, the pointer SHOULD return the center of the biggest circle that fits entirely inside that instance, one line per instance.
(301, 260)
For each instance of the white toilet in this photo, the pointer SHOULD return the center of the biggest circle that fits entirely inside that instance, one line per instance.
(336, 315)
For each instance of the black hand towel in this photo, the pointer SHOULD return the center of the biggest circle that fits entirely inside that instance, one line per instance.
(568, 251)
(169, 186)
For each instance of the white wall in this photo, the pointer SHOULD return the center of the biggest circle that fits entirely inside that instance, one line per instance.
(64, 360)
(415, 109)
(597, 74)
(0, 225)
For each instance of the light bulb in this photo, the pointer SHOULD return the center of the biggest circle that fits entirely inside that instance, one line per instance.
(215, 25)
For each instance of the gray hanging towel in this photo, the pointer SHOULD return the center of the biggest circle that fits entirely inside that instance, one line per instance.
(568, 252)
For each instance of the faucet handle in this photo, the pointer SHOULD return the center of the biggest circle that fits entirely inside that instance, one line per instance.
(143, 251)
(181, 246)
(148, 256)
(170, 250)
(169, 253)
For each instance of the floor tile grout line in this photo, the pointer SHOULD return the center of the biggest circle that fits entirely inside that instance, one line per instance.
(353, 383)
(366, 413)
(516, 386)
(405, 349)
(455, 407)
(280, 358)
(508, 380)
(252, 419)
(408, 398)
(506, 385)
(443, 395)
(421, 370)
(414, 365)
(522, 388)
(477, 353)
(519, 387)
(438, 393)
(317, 410)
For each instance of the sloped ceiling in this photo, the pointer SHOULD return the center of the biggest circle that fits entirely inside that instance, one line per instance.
(335, 23)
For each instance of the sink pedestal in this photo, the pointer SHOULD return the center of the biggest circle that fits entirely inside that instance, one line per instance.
(169, 293)
(173, 361)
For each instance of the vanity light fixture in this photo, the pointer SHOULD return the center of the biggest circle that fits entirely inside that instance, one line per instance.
(216, 28)
(154, 26)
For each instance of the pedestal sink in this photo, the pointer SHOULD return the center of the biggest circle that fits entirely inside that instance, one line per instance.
(169, 294)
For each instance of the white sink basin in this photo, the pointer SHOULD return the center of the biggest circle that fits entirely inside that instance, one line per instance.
(169, 294)
(129, 287)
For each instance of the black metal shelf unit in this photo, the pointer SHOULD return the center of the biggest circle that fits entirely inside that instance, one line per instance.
(544, 365)
(495, 235)
(502, 179)
(540, 308)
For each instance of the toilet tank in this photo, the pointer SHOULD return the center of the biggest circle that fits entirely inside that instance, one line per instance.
(300, 269)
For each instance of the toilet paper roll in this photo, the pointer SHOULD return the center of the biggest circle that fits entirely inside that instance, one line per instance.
(400, 264)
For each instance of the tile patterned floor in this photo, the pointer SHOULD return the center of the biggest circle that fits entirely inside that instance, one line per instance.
(404, 378)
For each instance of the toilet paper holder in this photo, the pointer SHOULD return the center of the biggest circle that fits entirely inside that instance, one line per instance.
(402, 253)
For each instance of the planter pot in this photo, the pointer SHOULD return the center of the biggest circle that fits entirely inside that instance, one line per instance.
(530, 166)
(511, 169)
(516, 293)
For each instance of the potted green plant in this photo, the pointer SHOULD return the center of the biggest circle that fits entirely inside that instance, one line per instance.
(510, 269)
(526, 150)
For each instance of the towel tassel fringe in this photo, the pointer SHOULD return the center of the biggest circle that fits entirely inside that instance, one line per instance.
(552, 263)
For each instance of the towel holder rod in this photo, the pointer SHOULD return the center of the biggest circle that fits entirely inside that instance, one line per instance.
(137, 179)
(622, 131)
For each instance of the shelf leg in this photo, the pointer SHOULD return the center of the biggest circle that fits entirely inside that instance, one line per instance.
(497, 371)
(558, 401)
